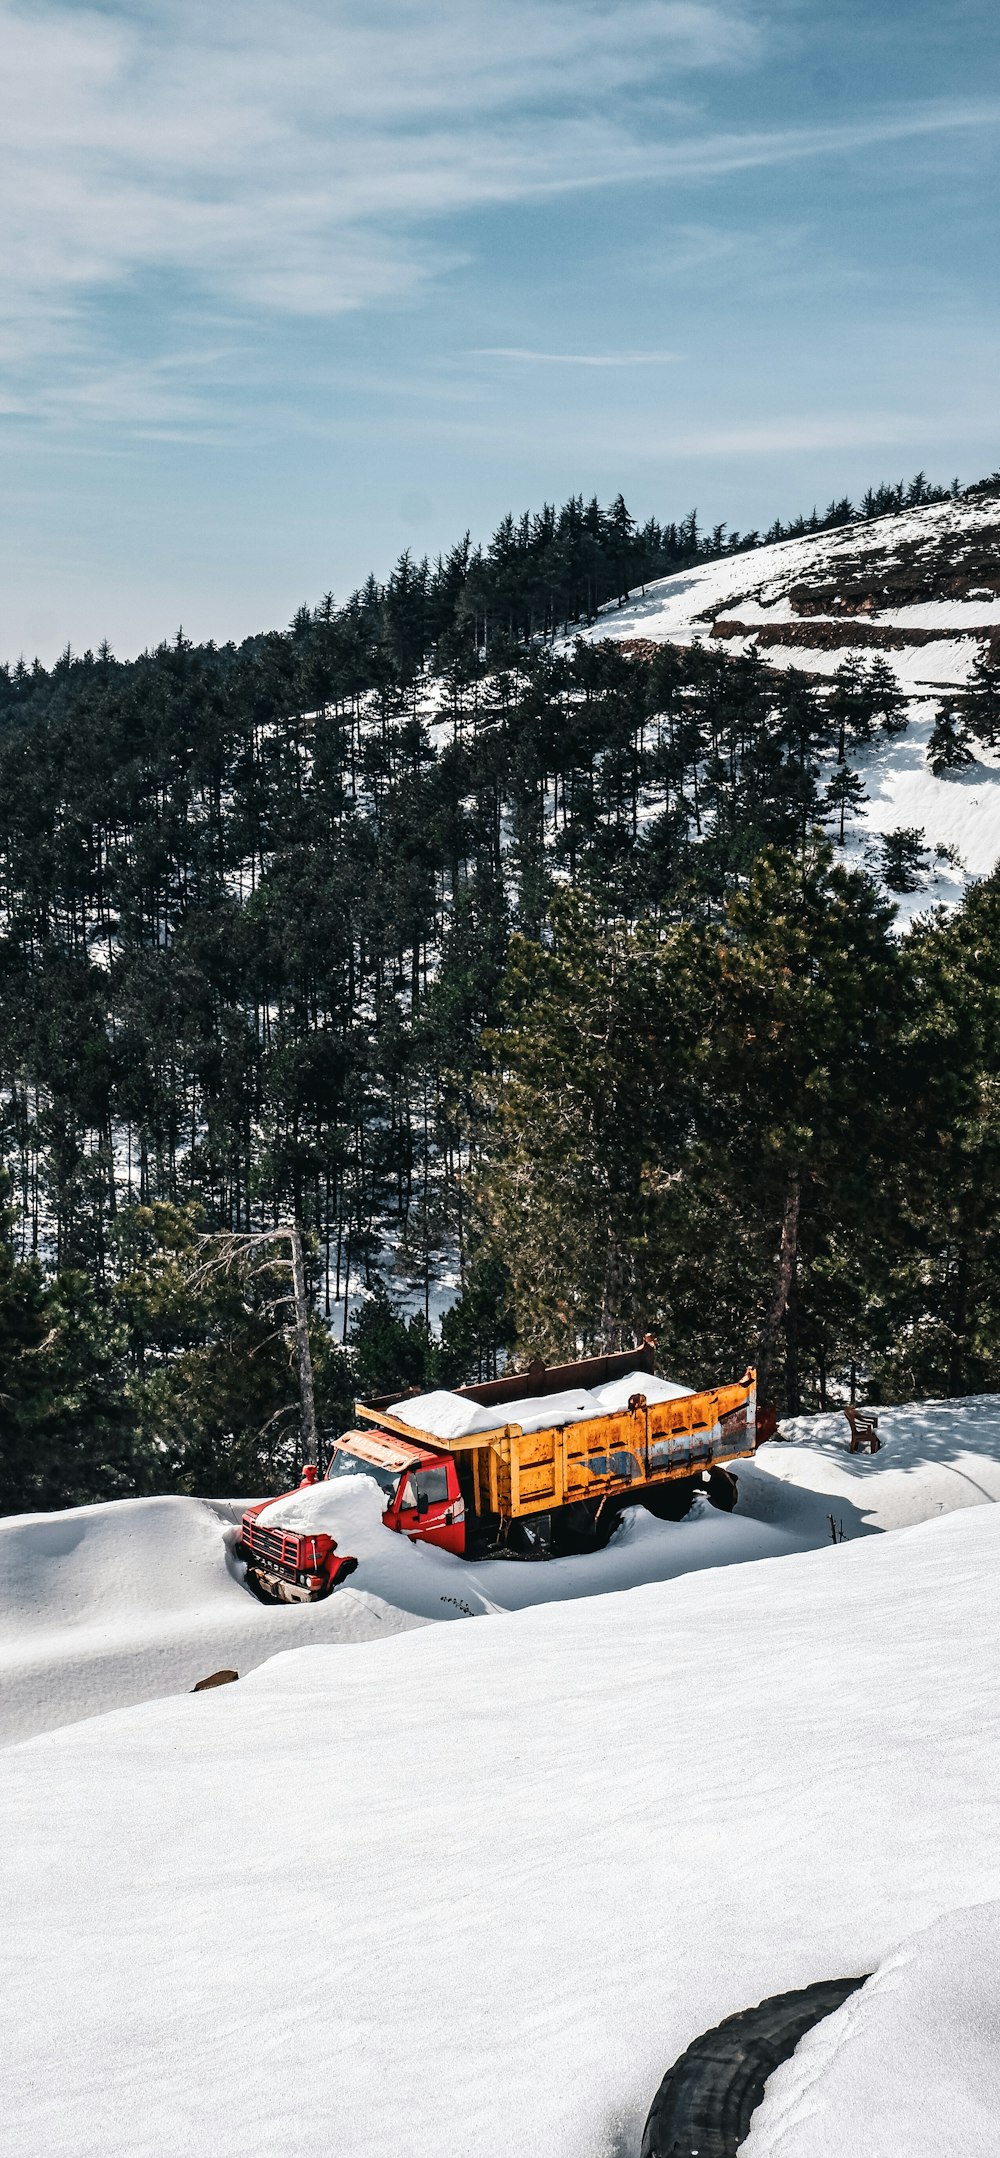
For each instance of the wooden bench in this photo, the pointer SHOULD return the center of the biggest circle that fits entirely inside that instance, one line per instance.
(864, 1431)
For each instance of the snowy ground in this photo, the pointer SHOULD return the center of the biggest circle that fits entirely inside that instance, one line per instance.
(858, 2084)
(754, 588)
(103, 1606)
(140, 1598)
(471, 1891)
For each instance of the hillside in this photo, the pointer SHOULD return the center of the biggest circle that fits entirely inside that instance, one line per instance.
(921, 588)
(351, 923)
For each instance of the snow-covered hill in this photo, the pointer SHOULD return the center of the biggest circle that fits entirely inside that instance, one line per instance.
(140, 1598)
(472, 1889)
(922, 588)
(103, 1606)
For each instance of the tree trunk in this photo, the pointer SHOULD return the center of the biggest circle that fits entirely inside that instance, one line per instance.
(310, 1444)
(787, 1254)
(793, 1397)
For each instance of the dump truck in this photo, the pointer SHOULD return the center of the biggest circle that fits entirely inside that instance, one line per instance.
(537, 1464)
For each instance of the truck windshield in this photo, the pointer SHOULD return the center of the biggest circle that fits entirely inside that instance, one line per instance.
(344, 1463)
(428, 1485)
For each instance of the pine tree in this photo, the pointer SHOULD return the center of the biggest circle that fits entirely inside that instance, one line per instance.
(888, 704)
(850, 706)
(904, 859)
(948, 749)
(844, 794)
(982, 701)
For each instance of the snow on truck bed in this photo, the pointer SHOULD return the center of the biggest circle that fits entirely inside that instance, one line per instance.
(473, 1891)
(452, 1416)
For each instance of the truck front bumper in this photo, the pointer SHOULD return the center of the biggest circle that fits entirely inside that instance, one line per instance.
(286, 1586)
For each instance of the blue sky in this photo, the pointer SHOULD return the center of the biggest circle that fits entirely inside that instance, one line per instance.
(286, 288)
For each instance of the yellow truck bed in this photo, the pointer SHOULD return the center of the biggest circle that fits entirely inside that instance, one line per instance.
(515, 1472)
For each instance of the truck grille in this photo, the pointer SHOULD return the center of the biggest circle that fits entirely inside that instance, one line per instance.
(272, 1544)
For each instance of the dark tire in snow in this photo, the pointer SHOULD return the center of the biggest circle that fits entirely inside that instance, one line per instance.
(670, 1502)
(722, 1490)
(706, 2100)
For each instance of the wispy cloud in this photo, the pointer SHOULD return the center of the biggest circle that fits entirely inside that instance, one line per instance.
(287, 155)
(572, 359)
(808, 431)
(311, 157)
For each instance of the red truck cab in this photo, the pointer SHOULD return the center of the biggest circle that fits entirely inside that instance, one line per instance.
(422, 1500)
(419, 1484)
(283, 1564)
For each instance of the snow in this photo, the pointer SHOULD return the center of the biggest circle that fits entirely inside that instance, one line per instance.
(107, 1605)
(443, 1415)
(137, 1599)
(616, 1393)
(473, 1890)
(859, 2083)
(936, 1457)
(449, 1416)
(681, 608)
(536, 1412)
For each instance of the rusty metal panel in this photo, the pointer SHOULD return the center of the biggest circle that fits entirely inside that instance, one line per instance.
(535, 1454)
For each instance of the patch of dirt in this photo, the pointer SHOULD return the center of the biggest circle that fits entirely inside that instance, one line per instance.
(827, 636)
(956, 565)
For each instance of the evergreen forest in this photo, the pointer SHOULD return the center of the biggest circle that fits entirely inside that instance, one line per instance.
(523, 974)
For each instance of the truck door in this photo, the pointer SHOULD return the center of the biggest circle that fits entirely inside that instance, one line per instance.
(430, 1507)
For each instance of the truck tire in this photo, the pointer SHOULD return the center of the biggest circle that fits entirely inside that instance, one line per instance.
(579, 1528)
(707, 2099)
(670, 1502)
(722, 1490)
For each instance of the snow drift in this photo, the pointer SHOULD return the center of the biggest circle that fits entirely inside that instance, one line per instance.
(473, 1890)
(106, 1605)
(139, 1598)
(910, 2065)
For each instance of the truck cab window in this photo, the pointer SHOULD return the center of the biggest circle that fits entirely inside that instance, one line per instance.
(432, 1485)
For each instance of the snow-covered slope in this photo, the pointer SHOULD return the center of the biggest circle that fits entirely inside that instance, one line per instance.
(910, 2064)
(108, 1605)
(936, 1457)
(473, 1889)
(138, 1598)
(924, 582)
(922, 588)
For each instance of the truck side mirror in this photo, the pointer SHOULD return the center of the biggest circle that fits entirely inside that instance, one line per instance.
(423, 1502)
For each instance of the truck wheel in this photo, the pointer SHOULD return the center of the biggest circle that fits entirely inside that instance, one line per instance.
(575, 1531)
(670, 1502)
(531, 1537)
(723, 1490)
